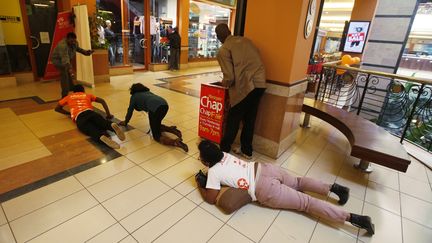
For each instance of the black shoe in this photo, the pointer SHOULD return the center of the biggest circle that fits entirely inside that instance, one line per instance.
(341, 191)
(363, 222)
(178, 143)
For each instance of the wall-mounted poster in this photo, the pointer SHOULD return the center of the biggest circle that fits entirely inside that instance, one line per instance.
(356, 36)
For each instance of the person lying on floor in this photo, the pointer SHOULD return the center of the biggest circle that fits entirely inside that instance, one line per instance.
(272, 186)
(157, 107)
(88, 121)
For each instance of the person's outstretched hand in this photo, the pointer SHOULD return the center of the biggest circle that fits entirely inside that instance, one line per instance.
(122, 123)
(109, 117)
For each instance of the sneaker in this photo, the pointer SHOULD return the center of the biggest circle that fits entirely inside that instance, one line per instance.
(363, 222)
(110, 143)
(341, 191)
(239, 152)
(118, 131)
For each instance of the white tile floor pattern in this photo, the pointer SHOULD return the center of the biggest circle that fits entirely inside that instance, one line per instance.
(149, 194)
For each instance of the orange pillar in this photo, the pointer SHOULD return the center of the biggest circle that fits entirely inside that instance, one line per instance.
(183, 25)
(363, 11)
(278, 30)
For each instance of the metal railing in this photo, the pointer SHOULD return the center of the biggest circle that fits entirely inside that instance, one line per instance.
(400, 104)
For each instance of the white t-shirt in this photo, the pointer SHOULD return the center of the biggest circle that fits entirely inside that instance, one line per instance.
(233, 172)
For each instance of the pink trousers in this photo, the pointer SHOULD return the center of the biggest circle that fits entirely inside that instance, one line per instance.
(275, 188)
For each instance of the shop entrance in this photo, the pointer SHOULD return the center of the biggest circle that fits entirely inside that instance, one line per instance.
(42, 16)
(139, 31)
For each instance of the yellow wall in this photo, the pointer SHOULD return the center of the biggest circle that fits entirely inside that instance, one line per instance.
(13, 31)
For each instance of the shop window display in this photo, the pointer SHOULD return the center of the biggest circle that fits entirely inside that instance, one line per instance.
(416, 60)
(163, 14)
(203, 19)
(112, 30)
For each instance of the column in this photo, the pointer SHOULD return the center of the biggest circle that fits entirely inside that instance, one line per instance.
(277, 29)
(183, 16)
(363, 11)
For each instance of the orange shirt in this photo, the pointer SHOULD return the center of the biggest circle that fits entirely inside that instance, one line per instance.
(78, 102)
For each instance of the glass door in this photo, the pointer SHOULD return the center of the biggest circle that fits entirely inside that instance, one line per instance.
(42, 16)
(138, 33)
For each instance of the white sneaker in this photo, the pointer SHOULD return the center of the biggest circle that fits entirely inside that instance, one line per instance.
(110, 143)
(239, 152)
(118, 131)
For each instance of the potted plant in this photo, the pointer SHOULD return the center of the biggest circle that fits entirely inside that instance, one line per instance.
(99, 45)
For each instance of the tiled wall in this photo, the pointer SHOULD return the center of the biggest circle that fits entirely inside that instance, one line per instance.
(388, 33)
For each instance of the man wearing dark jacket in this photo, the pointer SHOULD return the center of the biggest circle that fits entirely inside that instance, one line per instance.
(174, 41)
(61, 57)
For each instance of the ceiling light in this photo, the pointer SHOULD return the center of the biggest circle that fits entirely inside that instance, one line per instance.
(340, 5)
(40, 5)
(335, 29)
(340, 25)
(336, 18)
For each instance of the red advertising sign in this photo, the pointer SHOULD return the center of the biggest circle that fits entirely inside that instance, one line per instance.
(212, 111)
(356, 37)
(63, 26)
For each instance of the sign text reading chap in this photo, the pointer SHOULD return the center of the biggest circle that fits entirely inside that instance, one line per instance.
(212, 107)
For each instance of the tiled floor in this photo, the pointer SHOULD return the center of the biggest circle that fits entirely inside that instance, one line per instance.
(147, 193)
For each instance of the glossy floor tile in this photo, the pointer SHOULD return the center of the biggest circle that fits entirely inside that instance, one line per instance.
(146, 192)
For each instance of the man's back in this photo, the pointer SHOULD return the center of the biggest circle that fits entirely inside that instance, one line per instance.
(78, 102)
(240, 61)
(174, 40)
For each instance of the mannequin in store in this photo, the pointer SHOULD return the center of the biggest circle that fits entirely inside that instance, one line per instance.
(110, 37)
(155, 38)
(138, 32)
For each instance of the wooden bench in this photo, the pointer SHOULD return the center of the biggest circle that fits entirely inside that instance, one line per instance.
(369, 142)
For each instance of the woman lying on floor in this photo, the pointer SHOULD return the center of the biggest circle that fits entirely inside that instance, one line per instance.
(272, 186)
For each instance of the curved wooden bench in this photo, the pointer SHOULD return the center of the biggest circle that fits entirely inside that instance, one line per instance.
(369, 142)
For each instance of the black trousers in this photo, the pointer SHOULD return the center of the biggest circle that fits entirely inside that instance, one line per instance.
(93, 124)
(155, 120)
(174, 59)
(246, 112)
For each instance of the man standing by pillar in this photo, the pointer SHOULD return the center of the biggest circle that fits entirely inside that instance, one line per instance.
(244, 76)
(61, 58)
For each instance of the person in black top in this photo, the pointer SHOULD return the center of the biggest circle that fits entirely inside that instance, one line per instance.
(110, 37)
(174, 41)
(157, 107)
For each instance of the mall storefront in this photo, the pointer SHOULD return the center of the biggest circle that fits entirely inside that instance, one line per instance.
(142, 42)
(133, 33)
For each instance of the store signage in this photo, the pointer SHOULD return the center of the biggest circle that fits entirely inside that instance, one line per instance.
(211, 112)
(63, 26)
(10, 19)
(356, 36)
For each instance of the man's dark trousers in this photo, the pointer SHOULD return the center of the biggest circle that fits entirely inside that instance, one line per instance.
(246, 112)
